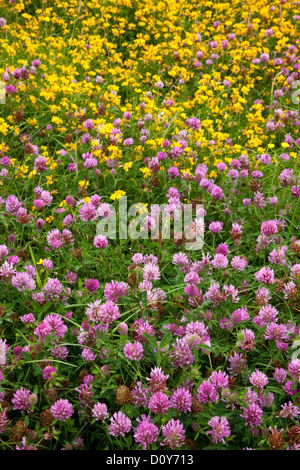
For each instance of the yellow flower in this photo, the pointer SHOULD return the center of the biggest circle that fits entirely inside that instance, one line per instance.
(127, 166)
(3, 127)
(84, 183)
(142, 208)
(57, 120)
(117, 194)
(32, 122)
(146, 172)
(49, 179)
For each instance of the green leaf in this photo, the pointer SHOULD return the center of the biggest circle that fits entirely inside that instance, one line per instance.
(180, 276)
(20, 376)
(295, 385)
(166, 340)
(195, 354)
(36, 307)
(144, 299)
(38, 281)
(26, 356)
(46, 307)
(151, 340)
(158, 358)
(37, 368)
(205, 304)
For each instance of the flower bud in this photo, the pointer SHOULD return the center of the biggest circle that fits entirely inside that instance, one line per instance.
(195, 427)
(105, 371)
(33, 399)
(122, 328)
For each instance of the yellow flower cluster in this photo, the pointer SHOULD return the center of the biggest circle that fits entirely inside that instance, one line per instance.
(117, 194)
(101, 59)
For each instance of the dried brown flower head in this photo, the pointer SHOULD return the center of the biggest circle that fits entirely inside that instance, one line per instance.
(19, 116)
(18, 431)
(123, 395)
(293, 435)
(197, 406)
(46, 418)
(276, 439)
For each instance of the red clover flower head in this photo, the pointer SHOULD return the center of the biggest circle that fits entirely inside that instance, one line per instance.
(258, 379)
(220, 429)
(207, 392)
(181, 400)
(23, 281)
(62, 410)
(100, 412)
(49, 372)
(174, 434)
(279, 375)
(159, 403)
(21, 400)
(157, 380)
(120, 424)
(146, 432)
(219, 379)
(265, 275)
(92, 285)
(134, 351)
(100, 241)
(53, 288)
(114, 290)
(122, 328)
(253, 415)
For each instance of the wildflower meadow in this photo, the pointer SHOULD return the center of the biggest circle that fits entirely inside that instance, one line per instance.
(149, 225)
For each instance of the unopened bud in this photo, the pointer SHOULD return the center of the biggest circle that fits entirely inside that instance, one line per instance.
(193, 339)
(233, 397)
(33, 399)
(122, 328)
(226, 393)
(195, 427)
(195, 371)
(207, 315)
(105, 371)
